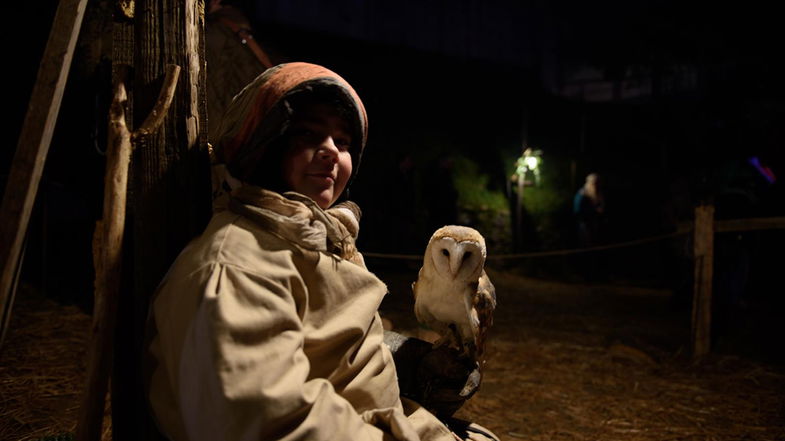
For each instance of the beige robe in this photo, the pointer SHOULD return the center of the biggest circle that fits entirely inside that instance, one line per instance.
(262, 332)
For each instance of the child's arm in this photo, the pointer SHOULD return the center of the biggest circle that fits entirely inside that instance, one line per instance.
(242, 373)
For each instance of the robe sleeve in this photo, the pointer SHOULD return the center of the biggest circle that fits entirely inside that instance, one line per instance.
(242, 374)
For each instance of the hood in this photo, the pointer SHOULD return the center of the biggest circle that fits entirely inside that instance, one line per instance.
(260, 114)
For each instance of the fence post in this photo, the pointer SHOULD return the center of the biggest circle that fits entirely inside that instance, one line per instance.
(703, 256)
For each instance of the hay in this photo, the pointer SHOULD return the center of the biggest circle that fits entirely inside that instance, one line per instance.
(573, 362)
(42, 369)
(566, 362)
(548, 390)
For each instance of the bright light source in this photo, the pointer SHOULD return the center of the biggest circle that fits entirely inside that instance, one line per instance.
(528, 162)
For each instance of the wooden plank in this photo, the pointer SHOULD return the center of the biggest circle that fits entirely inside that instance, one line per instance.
(33, 145)
(703, 256)
(760, 223)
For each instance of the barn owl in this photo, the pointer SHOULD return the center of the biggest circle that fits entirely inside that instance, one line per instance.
(453, 295)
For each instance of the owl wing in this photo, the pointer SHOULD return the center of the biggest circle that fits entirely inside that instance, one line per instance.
(484, 302)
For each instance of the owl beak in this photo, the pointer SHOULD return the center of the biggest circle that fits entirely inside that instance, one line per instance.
(455, 265)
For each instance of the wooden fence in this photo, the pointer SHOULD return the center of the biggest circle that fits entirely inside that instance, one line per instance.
(705, 228)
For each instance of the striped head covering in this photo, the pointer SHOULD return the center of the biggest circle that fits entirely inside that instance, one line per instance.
(260, 114)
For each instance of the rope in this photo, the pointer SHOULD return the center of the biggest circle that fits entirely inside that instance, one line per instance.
(545, 253)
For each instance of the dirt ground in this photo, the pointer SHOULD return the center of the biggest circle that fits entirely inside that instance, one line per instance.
(565, 362)
(605, 362)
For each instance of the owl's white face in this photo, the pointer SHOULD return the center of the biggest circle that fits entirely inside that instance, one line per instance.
(457, 260)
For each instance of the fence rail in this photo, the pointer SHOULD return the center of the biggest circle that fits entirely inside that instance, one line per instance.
(550, 253)
(752, 224)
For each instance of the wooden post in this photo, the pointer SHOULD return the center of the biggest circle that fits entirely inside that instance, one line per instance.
(169, 188)
(703, 255)
(108, 247)
(171, 182)
(33, 145)
(519, 213)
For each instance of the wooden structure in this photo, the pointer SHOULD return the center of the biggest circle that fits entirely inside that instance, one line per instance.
(168, 189)
(108, 247)
(169, 186)
(703, 257)
(33, 146)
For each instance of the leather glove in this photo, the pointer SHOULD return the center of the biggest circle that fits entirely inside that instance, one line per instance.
(437, 378)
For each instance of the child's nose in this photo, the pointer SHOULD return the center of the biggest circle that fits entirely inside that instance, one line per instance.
(328, 150)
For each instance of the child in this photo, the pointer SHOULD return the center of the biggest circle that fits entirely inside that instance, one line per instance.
(266, 326)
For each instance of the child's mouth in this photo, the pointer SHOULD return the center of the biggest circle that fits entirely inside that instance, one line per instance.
(327, 177)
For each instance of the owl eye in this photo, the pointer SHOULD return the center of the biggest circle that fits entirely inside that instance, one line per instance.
(467, 255)
(446, 253)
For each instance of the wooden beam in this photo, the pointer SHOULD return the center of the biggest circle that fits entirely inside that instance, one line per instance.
(169, 189)
(703, 256)
(760, 223)
(33, 145)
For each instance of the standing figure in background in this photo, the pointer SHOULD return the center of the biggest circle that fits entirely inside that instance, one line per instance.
(589, 210)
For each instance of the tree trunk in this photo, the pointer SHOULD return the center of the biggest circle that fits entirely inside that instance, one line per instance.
(169, 202)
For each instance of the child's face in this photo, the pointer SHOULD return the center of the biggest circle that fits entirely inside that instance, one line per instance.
(317, 162)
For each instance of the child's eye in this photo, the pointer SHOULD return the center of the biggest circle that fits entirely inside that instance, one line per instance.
(343, 143)
(305, 134)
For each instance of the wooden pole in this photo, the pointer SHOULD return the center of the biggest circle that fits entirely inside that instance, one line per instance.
(703, 255)
(519, 213)
(108, 246)
(169, 189)
(33, 145)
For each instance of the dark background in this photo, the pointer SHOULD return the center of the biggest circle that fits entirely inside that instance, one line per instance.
(665, 100)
